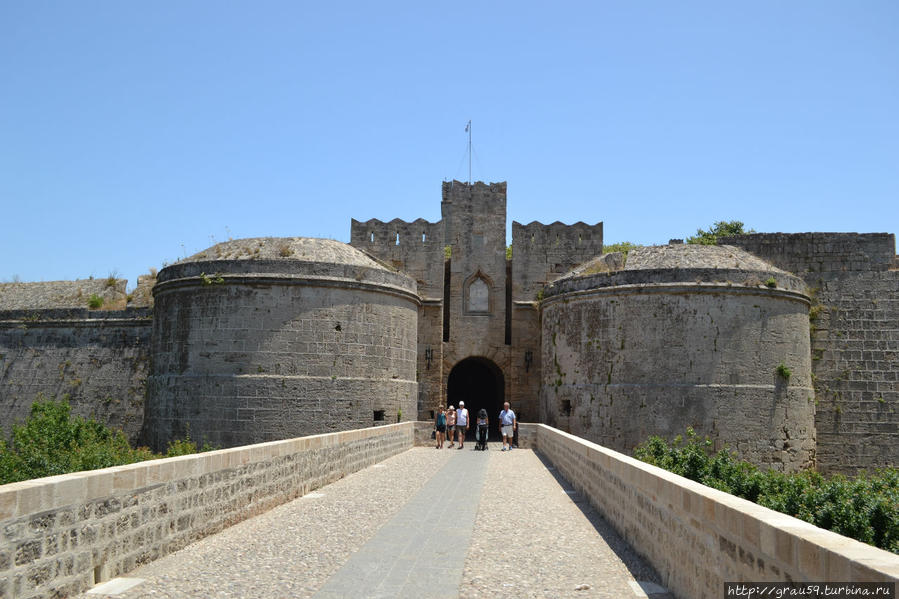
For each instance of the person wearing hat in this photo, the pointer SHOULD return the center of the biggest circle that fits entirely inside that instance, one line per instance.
(451, 424)
(461, 423)
(508, 424)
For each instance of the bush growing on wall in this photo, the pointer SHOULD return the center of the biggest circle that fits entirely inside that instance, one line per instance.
(721, 228)
(53, 441)
(865, 508)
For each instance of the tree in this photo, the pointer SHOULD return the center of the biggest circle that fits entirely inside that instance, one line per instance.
(624, 247)
(722, 228)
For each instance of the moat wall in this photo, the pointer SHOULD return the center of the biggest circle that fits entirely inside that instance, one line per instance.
(98, 359)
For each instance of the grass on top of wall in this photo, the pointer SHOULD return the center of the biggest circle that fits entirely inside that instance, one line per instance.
(865, 507)
(53, 441)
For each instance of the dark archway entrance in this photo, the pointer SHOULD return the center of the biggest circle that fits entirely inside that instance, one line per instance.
(480, 384)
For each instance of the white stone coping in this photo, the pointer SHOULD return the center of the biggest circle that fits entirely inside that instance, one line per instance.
(43, 494)
(811, 553)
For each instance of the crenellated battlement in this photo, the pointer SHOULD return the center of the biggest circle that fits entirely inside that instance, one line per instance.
(378, 233)
(416, 248)
(459, 190)
(541, 253)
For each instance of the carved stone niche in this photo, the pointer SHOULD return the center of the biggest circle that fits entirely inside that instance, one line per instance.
(477, 294)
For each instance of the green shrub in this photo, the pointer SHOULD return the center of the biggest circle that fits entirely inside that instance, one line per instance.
(186, 446)
(783, 370)
(94, 301)
(721, 228)
(624, 247)
(865, 508)
(53, 441)
(771, 282)
(215, 279)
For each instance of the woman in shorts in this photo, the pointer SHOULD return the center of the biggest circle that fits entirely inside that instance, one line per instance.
(451, 423)
(440, 427)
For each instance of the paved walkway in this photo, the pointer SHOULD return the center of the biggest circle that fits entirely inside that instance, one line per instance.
(422, 524)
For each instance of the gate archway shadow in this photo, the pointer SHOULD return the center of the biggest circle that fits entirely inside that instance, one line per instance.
(480, 383)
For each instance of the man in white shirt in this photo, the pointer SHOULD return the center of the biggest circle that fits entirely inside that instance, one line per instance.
(508, 424)
(461, 422)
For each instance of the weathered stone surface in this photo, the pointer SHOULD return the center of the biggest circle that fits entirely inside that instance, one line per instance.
(256, 349)
(473, 306)
(61, 294)
(182, 499)
(99, 359)
(634, 354)
(269, 338)
(854, 319)
(696, 537)
(696, 256)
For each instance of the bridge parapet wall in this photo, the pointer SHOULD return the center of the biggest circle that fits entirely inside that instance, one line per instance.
(62, 534)
(698, 538)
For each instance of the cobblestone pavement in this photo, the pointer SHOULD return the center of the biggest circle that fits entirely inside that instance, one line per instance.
(536, 537)
(425, 523)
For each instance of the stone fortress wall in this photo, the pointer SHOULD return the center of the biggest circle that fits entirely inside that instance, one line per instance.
(853, 280)
(417, 249)
(543, 253)
(308, 336)
(243, 343)
(447, 257)
(540, 255)
(652, 350)
(475, 221)
(52, 345)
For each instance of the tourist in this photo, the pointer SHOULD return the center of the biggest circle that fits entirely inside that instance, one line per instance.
(483, 426)
(461, 423)
(440, 427)
(508, 424)
(451, 424)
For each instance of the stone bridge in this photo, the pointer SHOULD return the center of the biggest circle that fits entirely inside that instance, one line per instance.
(379, 513)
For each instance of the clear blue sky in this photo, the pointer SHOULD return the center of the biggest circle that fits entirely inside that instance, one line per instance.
(132, 134)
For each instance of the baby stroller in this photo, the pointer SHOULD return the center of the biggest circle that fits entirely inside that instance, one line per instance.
(480, 434)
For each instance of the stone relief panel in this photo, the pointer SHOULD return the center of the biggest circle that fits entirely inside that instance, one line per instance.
(478, 296)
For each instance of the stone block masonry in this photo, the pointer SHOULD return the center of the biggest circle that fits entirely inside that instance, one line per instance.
(277, 347)
(415, 248)
(62, 534)
(99, 359)
(653, 351)
(698, 538)
(543, 253)
(854, 320)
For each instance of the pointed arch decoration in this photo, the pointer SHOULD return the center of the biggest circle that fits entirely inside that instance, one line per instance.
(477, 294)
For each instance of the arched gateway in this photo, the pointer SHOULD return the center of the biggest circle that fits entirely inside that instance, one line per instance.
(478, 382)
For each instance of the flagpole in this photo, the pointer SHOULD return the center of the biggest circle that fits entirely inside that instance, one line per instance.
(468, 128)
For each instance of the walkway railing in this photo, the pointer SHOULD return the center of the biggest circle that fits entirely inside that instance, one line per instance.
(698, 538)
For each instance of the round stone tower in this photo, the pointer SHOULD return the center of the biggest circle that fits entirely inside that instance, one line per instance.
(271, 338)
(708, 337)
